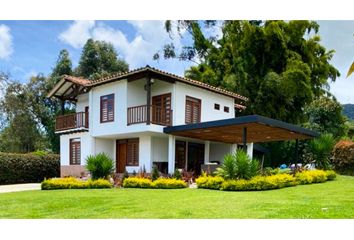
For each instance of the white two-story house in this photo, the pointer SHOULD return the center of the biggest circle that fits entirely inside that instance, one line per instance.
(148, 117)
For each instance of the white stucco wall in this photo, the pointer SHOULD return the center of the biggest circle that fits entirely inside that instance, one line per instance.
(105, 146)
(218, 151)
(208, 99)
(65, 147)
(159, 149)
(82, 102)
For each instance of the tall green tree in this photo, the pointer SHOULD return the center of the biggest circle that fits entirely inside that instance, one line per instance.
(99, 59)
(21, 134)
(280, 66)
(325, 115)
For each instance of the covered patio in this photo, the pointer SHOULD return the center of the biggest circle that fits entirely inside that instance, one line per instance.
(244, 130)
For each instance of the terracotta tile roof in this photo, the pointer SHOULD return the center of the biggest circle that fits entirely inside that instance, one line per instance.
(122, 75)
(77, 80)
(170, 75)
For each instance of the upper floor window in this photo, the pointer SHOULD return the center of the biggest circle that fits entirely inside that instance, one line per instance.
(226, 109)
(75, 151)
(107, 108)
(193, 110)
(217, 106)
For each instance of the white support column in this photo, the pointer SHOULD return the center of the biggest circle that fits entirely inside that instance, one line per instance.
(206, 151)
(233, 148)
(145, 152)
(250, 150)
(171, 153)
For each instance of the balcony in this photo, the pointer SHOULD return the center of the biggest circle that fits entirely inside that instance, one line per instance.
(158, 115)
(75, 121)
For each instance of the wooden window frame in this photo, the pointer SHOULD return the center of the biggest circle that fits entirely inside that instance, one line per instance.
(101, 109)
(216, 106)
(75, 141)
(226, 109)
(192, 99)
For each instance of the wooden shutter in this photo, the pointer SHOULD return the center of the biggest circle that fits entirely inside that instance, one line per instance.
(75, 151)
(107, 108)
(193, 110)
(133, 152)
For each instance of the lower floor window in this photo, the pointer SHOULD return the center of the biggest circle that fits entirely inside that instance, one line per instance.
(75, 151)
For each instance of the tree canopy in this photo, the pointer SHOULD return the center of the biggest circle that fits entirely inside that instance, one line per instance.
(27, 117)
(280, 66)
(99, 59)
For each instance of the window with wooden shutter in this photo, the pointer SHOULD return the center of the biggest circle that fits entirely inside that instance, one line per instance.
(133, 152)
(75, 151)
(193, 110)
(107, 108)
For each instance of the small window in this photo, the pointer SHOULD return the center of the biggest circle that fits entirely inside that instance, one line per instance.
(226, 109)
(217, 106)
(75, 151)
(107, 108)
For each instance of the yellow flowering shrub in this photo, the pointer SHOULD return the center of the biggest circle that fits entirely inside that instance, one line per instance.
(209, 182)
(260, 183)
(168, 183)
(73, 183)
(331, 175)
(137, 182)
(311, 176)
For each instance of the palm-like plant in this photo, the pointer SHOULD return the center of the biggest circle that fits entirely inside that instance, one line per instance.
(100, 165)
(238, 166)
(321, 149)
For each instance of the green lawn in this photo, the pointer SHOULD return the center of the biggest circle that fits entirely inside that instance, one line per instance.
(295, 202)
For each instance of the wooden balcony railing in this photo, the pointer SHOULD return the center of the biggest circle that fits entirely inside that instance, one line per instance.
(72, 121)
(158, 115)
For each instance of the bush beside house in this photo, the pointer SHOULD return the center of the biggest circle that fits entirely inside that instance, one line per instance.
(74, 183)
(343, 157)
(259, 183)
(164, 183)
(28, 168)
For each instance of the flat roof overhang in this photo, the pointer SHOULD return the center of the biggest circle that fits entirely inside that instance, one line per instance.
(258, 128)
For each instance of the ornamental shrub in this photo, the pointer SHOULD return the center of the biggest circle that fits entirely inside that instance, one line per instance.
(343, 157)
(155, 173)
(331, 175)
(311, 176)
(209, 182)
(168, 183)
(100, 165)
(74, 183)
(238, 166)
(28, 168)
(137, 182)
(260, 183)
(161, 183)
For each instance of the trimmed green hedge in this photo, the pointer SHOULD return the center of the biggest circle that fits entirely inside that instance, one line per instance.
(28, 168)
(162, 183)
(260, 183)
(74, 183)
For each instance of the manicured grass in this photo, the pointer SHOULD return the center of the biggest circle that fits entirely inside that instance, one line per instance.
(334, 199)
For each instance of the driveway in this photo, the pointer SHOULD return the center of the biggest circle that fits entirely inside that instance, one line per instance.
(20, 187)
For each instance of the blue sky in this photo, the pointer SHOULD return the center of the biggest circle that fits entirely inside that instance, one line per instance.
(31, 47)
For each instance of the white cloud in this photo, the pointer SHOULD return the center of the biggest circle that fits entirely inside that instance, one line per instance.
(150, 37)
(5, 42)
(77, 34)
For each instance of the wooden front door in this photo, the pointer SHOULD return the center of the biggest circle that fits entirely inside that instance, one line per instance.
(121, 157)
(161, 113)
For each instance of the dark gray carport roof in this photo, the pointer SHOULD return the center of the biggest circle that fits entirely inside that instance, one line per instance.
(259, 129)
